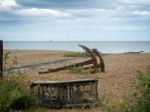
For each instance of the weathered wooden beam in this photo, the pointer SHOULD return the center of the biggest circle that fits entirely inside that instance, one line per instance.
(1, 58)
(57, 83)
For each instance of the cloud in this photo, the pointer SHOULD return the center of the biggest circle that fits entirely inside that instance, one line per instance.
(135, 1)
(109, 12)
(5, 4)
(130, 28)
(87, 12)
(101, 12)
(42, 12)
(142, 13)
(65, 4)
(133, 28)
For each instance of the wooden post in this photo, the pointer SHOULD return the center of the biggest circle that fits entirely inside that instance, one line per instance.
(1, 58)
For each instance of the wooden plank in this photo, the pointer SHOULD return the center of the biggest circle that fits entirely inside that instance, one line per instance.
(63, 82)
(1, 58)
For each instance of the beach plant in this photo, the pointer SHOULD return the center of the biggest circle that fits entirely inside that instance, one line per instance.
(14, 95)
(79, 70)
(138, 102)
(9, 64)
(121, 105)
(76, 54)
(5, 59)
(142, 92)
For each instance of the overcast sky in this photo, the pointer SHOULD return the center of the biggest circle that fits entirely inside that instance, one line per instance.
(75, 20)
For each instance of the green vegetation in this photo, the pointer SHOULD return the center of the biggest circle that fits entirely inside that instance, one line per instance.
(79, 70)
(139, 102)
(14, 95)
(142, 92)
(119, 106)
(10, 63)
(5, 59)
(76, 54)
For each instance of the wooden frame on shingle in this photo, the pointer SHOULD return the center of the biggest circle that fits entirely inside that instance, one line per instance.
(66, 93)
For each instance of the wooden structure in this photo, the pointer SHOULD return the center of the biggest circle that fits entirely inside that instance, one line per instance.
(67, 93)
(95, 62)
(1, 58)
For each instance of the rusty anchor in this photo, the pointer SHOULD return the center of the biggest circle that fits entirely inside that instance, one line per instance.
(96, 61)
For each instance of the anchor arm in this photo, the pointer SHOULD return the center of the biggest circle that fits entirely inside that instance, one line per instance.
(94, 61)
(102, 64)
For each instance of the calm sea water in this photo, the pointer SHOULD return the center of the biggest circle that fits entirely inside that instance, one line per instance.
(103, 46)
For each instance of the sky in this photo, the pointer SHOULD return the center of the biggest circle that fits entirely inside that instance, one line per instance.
(75, 20)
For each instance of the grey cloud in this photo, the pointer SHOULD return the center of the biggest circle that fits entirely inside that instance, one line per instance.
(80, 10)
(65, 4)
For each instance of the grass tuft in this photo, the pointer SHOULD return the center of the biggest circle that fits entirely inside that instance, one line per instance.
(79, 70)
(14, 95)
(76, 54)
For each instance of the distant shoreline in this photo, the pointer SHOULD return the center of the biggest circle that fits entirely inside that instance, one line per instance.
(103, 46)
(62, 51)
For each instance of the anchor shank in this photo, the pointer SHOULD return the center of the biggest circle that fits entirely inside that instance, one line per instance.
(66, 67)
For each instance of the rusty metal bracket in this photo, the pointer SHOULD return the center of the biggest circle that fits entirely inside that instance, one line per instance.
(96, 61)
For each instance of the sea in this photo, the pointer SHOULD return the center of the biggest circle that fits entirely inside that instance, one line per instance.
(103, 46)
